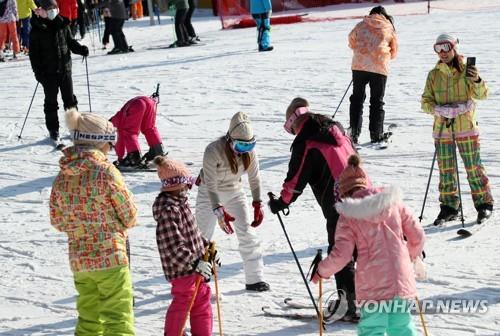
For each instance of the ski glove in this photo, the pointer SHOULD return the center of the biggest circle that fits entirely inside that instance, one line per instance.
(316, 277)
(203, 268)
(84, 51)
(224, 219)
(215, 258)
(258, 213)
(276, 205)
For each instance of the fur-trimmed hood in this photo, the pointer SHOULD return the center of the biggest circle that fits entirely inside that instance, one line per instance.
(369, 202)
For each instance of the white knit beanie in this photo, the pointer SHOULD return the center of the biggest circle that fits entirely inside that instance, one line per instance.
(89, 128)
(240, 127)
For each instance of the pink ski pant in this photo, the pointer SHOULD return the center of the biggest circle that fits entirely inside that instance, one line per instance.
(137, 115)
(201, 312)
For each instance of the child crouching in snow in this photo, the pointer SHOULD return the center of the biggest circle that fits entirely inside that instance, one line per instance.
(181, 249)
(376, 222)
(92, 205)
(138, 115)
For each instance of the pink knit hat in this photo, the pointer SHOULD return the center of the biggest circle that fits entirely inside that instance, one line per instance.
(352, 177)
(173, 174)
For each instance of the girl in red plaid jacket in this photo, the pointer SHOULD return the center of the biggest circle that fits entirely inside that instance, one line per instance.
(181, 249)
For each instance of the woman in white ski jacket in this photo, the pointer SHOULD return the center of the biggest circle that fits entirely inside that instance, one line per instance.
(221, 197)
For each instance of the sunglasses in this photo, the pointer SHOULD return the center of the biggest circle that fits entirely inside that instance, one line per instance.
(445, 46)
(242, 146)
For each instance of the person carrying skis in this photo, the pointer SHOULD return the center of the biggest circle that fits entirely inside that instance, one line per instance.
(138, 115)
(90, 202)
(450, 93)
(374, 43)
(261, 12)
(182, 247)
(8, 30)
(221, 194)
(51, 45)
(319, 154)
(388, 238)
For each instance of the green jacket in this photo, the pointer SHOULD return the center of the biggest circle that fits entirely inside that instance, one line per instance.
(447, 85)
(92, 205)
(24, 8)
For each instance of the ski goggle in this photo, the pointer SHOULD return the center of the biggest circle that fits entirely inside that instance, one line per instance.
(297, 113)
(444, 46)
(242, 146)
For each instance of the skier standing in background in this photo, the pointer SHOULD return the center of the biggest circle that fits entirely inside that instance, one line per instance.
(181, 249)
(261, 12)
(449, 95)
(319, 154)
(221, 194)
(90, 202)
(8, 30)
(116, 19)
(374, 43)
(24, 8)
(51, 44)
(388, 238)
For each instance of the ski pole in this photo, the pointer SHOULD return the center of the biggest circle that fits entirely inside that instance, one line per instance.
(214, 268)
(320, 302)
(27, 113)
(422, 320)
(342, 99)
(127, 246)
(430, 175)
(271, 197)
(452, 122)
(195, 293)
(88, 83)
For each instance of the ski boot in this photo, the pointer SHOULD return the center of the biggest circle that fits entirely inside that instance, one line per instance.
(484, 211)
(446, 214)
(132, 160)
(156, 150)
(260, 286)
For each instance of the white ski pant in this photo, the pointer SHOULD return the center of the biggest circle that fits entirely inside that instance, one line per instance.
(235, 203)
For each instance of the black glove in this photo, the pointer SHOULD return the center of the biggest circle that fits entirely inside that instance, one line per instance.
(276, 205)
(39, 77)
(84, 51)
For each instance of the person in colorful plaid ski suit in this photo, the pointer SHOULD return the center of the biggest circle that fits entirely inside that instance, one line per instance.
(450, 94)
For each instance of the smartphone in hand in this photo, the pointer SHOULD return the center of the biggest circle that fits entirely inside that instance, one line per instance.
(471, 61)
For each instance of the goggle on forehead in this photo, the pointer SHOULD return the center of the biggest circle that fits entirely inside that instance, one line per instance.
(243, 146)
(444, 46)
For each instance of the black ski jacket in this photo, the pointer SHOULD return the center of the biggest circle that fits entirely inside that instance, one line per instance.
(51, 45)
(319, 154)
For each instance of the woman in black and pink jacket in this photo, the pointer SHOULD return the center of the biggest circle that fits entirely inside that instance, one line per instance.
(320, 152)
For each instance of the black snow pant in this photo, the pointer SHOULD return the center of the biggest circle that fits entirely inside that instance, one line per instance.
(116, 31)
(107, 32)
(377, 90)
(187, 21)
(180, 26)
(51, 86)
(344, 279)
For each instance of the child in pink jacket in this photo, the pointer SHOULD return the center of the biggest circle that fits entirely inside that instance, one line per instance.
(138, 115)
(388, 239)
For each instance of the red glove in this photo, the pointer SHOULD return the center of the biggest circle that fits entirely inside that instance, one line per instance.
(258, 213)
(224, 219)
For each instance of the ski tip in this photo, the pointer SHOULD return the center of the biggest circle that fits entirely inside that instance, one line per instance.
(286, 300)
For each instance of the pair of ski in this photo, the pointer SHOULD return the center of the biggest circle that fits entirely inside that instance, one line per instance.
(384, 144)
(467, 230)
(292, 309)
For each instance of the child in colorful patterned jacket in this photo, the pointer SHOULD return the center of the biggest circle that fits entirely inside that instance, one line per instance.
(388, 239)
(181, 249)
(92, 205)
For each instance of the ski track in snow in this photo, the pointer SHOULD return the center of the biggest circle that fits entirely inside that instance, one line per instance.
(200, 89)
